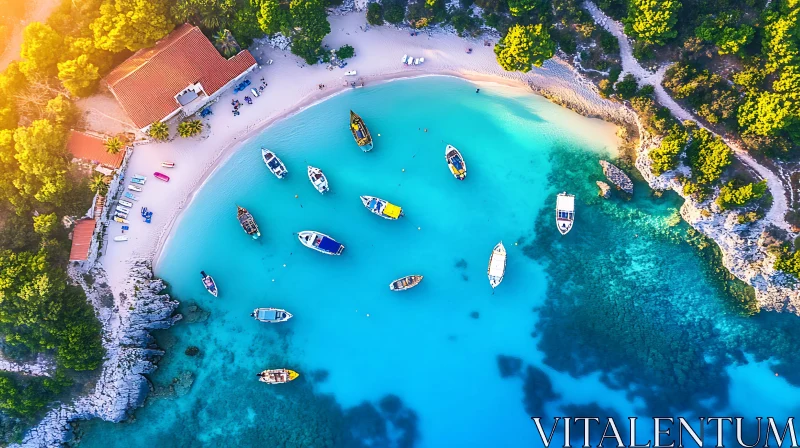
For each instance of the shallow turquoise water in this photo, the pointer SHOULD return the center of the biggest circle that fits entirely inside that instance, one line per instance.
(618, 318)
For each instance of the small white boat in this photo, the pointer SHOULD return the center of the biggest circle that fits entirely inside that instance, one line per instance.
(274, 163)
(320, 242)
(168, 164)
(351, 73)
(120, 238)
(382, 207)
(126, 203)
(456, 162)
(277, 376)
(138, 176)
(407, 282)
(135, 188)
(318, 179)
(271, 315)
(565, 212)
(123, 209)
(405, 56)
(497, 265)
(209, 284)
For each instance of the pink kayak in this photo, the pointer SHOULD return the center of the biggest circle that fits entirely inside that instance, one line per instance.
(161, 176)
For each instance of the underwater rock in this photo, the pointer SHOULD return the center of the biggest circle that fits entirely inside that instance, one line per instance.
(617, 177)
(475, 315)
(461, 264)
(605, 189)
(192, 351)
(194, 314)
(183, 383)
(508, 365)
(538, 391)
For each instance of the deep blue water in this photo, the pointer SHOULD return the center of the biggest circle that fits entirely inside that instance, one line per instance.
(618, 318)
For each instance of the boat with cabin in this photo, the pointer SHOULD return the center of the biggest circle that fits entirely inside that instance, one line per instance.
(320, 242)
(565, 212)
(209, 284)
(407, 282)
(318, 179)
(277, 376)
(168, 164)
(247, 222)
(456, 162)
(382, 207)
(271, 315)
(135, 188)
(274, 163)
(497, 265)
(360, 132)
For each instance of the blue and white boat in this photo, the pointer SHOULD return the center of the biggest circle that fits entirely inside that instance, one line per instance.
(455, 162)
(271, 315)
(274, 163)
(131, 196)
(209, 284)
(382, 207)
(320, 242)
(318, 179)
(138, 180)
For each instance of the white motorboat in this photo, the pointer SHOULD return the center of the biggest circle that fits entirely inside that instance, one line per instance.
(271, 315)
(135, 188)
(455, 161)
(497, 265)
(318, 179)
(565, 212)
(274, 163)
(126, 203)
(320, 242)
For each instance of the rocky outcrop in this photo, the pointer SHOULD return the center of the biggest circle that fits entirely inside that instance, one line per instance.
(136, 309)
(617, 177)
(605, 189)
(44, 366)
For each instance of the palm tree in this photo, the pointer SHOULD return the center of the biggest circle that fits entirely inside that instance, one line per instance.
(99, 184)
(114, 145)
(159, 131)
(190, 128)
(226, 43)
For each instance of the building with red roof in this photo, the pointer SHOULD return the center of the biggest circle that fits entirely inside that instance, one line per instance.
(82, 236)
(180, 74)
(92, 149)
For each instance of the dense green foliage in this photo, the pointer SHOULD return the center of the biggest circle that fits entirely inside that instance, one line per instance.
(190, 128)
(731, 195)
(524, 47)
(789, 262)
(708, 155)
(345, 52)
(159, 131)
(304, 20)
(375, 14)
(652, 21)
(665, 157)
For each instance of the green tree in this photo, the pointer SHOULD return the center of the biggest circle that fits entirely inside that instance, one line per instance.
(79, 76)
(210, 14)
(43, 161)
(345, 52)
(724, 32)
(84, 46)
(520, 8)
(665, 157)
(190, 128)
(61, 110)
(708, 156)
(130, 24)
(375, 14)
(244, 26)
(732, 196)
(767, 113)
(45, 224)
(788, 262)
(394, 11)
(41, 48)
(99, 185)
(628, 87)
(523, 47)
(159, 131)
(226, 44)
(274, 16)
(114, 145)
(652, 21)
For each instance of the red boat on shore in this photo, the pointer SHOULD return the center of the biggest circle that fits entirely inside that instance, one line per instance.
(161, 176)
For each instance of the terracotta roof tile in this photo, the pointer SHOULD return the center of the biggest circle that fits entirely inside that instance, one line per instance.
(147, 82)
(91, 148)
(81, 239)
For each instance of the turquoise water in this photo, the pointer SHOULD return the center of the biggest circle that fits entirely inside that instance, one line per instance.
(620, 317)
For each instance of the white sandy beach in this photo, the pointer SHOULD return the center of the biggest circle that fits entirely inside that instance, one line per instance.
(294, 86)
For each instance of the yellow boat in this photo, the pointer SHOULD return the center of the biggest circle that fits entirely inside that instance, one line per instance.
(360, 132)
(277, 376)
(382, 207)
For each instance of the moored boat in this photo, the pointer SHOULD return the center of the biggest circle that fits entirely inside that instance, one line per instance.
(122, 215)
(120, 238)
(274, 163)
(565, 212)
(168, 164)
(125, 203)
(120, 220)
(130, 196)
(497, 265)
(123, 209)
(360, 132)
(138, 180)
(271, 315)
(135, 188)
(382, 207)
(318, 179)
(161, 176)
(407, 282)
(277, 376)
(209, 284)
(320, 242)
(456, 162)
(247, 222)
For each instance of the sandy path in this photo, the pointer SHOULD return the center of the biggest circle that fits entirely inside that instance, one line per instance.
(294, 86)
(776, 214)
(39, 11)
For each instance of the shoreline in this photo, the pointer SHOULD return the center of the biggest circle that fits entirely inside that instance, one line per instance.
(227, 152)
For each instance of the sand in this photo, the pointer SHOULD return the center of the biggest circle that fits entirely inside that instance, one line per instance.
(293, 86)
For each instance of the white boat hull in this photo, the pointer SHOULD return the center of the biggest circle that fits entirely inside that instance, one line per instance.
(273, 163)
(318, 179)
(453, 170)
(565, 212)
(313, 240)
(497, 265)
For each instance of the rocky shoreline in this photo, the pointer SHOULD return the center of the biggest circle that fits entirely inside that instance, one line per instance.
(128, 316)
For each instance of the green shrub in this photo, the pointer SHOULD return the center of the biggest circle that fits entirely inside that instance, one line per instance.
(665, 157)
(375, 14)
(731, 196)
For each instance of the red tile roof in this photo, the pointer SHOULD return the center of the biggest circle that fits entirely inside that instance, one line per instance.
(91, 148)
(147, 82)
(81, 239)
